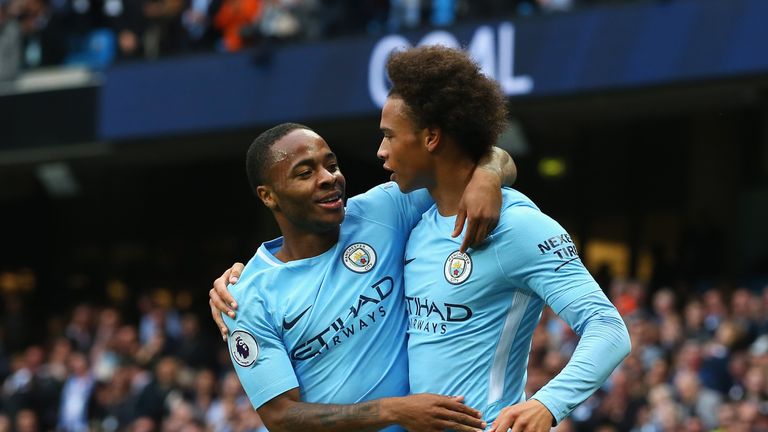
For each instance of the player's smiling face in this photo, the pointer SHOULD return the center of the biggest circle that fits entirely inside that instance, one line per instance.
(307, 186)
(403, 148)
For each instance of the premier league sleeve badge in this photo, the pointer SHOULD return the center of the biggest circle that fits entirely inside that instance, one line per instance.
(243, 348)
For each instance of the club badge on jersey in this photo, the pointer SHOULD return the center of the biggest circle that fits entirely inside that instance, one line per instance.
(243, 348)
(359, 257)
(458, 268)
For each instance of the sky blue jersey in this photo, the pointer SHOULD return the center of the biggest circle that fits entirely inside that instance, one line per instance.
(334, 324)
(472, 316)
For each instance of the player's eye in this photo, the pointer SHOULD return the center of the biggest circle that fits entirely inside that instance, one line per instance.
(304, 174)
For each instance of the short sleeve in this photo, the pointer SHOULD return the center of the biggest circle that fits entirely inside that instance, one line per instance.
(258, 354)
(387, 205)
(534, 251)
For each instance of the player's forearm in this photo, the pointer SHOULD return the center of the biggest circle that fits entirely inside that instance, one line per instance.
(500, 163)
(364, 416)
(604, 344)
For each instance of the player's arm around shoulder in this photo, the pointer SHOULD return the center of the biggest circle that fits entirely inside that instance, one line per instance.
(481, 202)
(417, 413)
(220, 299)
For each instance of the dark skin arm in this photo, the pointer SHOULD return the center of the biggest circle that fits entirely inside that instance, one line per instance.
(481, 202)
(423, 412)
(220, 300)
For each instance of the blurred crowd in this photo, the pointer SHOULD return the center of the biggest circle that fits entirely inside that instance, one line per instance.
(96, 33)
(699, 363)
(97, 371)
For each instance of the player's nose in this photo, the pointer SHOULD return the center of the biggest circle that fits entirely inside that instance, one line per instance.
(382, 153)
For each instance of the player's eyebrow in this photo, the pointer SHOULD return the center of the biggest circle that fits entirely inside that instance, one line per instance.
(309, 161)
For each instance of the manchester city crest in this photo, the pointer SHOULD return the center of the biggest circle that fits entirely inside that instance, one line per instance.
(359, 257)
(457, 268)
(243, 348)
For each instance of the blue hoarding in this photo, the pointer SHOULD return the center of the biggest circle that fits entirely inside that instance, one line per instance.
(616, 47)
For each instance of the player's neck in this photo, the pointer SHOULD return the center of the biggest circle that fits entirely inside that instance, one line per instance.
(452, 174)
(300, 244)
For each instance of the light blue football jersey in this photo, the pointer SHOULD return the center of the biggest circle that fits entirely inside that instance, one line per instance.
(335, 324)
(472, 316)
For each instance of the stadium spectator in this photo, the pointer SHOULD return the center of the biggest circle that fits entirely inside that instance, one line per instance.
(105, 360)
(112, 403)
(694, 322)
(756, 386)
(159, 396)
(30, 387)
(129, 24)
(237, 21)
(404, 14)
(203, 392)
(57, 366)
(27, 421)
(197, 20)
(164, 33)
(43, 33)
(15, 322)
(714, 309)
(695, 400)
(664, 304)
(744, 315)
(192, 347)
(10, 46)
(75, 394)
(278, 21)
(226, 410)
(79, 330)
(159, 317)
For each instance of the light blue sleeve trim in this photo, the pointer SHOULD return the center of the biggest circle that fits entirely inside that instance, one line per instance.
(604, 344)
(272, 391)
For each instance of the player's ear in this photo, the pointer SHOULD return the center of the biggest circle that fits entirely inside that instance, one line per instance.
(432, 138)
(267, 195)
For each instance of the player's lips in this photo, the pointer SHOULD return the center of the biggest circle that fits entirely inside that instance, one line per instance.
(331, 201)
(391, 176)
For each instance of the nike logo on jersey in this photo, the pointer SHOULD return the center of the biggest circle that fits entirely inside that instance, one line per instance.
(287, 325)
(408, 261)
(563, 264)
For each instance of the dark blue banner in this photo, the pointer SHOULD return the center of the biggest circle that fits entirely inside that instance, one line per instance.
(611, 47)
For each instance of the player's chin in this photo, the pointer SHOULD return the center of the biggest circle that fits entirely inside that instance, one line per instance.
(405, 186)
(331, 220)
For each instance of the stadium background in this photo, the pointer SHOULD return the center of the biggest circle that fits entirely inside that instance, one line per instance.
(642, 126)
